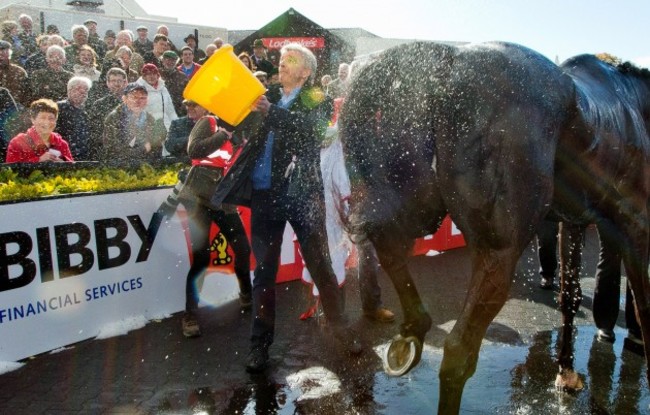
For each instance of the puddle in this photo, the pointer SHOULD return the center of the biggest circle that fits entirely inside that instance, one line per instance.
(510, 379)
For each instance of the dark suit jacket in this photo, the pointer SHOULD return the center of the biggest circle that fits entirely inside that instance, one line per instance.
(177, 136)
(299, 131)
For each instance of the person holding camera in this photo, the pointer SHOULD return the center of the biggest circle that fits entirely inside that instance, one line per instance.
(211, 146)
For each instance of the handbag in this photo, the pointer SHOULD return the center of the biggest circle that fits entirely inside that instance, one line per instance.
(200, 184)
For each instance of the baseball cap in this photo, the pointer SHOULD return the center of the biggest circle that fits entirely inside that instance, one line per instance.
(134, 86)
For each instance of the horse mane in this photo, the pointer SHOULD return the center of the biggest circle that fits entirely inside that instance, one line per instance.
(626, 67)
(609, 97)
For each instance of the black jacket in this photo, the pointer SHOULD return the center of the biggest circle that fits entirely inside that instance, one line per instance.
(299, 131)
(74, 127)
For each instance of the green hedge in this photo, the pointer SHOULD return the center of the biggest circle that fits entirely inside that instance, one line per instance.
(15, 186)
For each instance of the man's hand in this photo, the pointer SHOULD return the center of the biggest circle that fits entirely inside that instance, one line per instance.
(261, 105)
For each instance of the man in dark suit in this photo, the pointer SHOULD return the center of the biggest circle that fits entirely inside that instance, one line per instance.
(259, 57)
(278, 176)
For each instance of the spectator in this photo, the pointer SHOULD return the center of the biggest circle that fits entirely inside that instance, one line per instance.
(142, 44)
(12, 76)
(607, 291)
(209, 51)
(160, 45)
(51, 82)
(190, 40)
(268, 177)
(100, 108)
(37, 59)
(338, 87)
(369, 289)
(325, 81)
(246, 59)
(211, 148)
(10, 34)
(547, 232)
(125, 38)
(27, 36)
(73, 123)
(10, 117)
(164, 30)
(109, 40)
(124, 56)
(159, 104)
(95, 42)
(259, 60)
(188, 67)
(179, 131)
(80, 35)
(128, 129)
(262, 77)
(52, 29)
(123, 61)
(218, 42)
(39, 143)
(86, 63)
(58, 40)
(175, 81)
(274, 77)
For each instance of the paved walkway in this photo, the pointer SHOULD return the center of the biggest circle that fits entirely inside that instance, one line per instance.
(155, 370)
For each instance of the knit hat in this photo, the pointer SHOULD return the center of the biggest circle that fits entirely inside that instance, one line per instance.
(149, 69)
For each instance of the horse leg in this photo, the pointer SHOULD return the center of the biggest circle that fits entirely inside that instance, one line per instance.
(635, 260)
(405, 349)
(492, 271)
(571, 237)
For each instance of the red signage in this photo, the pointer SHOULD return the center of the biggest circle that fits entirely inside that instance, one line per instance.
(308, 42)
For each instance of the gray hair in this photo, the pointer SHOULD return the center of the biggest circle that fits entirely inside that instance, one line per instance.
(128, 32)
(51, 50)
(123, 49)
(24, 16)
(55, 40)
(308, 56)
(79, 80)
(79, 28)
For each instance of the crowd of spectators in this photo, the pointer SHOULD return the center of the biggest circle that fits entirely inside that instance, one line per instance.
(90, 79)
(117, 96)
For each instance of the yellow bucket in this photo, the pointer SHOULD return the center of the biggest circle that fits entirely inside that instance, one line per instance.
(225, 86)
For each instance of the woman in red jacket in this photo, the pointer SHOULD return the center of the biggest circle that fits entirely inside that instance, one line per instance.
(40, 142)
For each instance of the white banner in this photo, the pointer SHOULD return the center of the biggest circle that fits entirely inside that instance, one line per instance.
(70, 266)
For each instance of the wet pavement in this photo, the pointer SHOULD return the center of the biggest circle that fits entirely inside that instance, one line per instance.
(155, 370)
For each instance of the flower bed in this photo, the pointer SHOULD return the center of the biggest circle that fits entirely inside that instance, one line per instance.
(35, 181)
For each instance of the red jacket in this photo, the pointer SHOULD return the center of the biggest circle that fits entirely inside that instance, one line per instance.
(218, 157)
(28, 147)
(195, 69)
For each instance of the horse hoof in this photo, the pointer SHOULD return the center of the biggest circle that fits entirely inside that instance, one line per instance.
(402, 355)
(568, 382)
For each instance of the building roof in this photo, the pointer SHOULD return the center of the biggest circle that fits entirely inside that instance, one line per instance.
(123, 8)
(289, 24)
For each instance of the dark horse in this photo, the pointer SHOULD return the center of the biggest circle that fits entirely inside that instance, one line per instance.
(494, 135)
